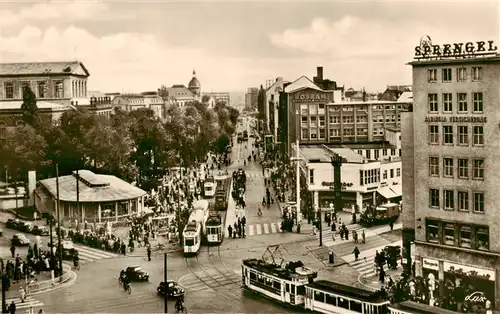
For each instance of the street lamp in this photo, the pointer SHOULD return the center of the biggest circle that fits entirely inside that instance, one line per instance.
(297, 174)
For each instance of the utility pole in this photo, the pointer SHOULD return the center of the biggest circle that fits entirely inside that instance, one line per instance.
(297, 174)
(4, 288)
(59, 222)
(78, 192)
(165, 279)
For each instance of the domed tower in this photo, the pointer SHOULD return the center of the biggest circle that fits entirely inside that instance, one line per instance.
(194, 85)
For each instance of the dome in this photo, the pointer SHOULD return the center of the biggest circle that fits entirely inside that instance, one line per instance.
(194, 83)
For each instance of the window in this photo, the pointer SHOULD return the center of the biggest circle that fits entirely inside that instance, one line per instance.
(322, 121)
(392, 173)
(461, 74)
(462, 102)
(314, 134)
(384, 176)
(448, 167)
(58, 89)
(463, 200)
(334, 119)
(449, 234)
(368, 154)
(361, 177)
(463, 168)
(331, 299)
(319, 296)
(304, 110)
(477, 74)
(9, 90)
(305, 134)
(314, 122)
(304, 122)
(434, 197)
(433, 134)
(3, 130)
(361, 119)
(448, 134)
(432, 231)
(348, 132)
(42, 89)
(477, 100)
(322, 134)
(384, 152)
(313, 109)
(348, 119)
(377, 154)
(482, 238)
(433, 102)
(393, 152)
(449, 199)
(447, 102)
(432, 75)
(334, 132)
(311, 176)
(478, 202)
(465, 237)
(477, 138)
(447, 75)
(478, 169)
(398, 172)
(434, 166)
(463, 135)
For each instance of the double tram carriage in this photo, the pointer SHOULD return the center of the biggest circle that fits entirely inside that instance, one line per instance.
(214, 229)
(209, 187)
(195, 229)
(297, 288)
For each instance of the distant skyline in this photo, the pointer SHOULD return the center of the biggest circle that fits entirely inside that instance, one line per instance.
(138, 46)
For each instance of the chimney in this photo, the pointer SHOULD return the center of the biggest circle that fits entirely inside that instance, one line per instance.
(319, 75)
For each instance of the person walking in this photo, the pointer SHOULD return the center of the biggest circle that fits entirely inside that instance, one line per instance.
(363, 237)
(12, 308)
(356, 253)
(148, 250)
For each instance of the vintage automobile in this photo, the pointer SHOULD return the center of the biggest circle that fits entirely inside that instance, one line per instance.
(68, 250)
(13, 223)
(20, 239)
(136, 273)
(40, 230)
(25, 226)
(171, 289)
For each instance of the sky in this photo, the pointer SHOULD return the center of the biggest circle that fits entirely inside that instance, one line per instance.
(134, 46)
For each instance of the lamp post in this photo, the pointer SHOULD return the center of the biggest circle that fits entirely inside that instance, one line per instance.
(59, 222)
(165, 276)
(336, 161)
(297, 169)
(4, 288)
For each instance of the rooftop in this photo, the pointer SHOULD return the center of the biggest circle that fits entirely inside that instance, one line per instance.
(369, 145)
(37, 68)
(322, 154)
(93, 188)
(478, 59)
(302, 82)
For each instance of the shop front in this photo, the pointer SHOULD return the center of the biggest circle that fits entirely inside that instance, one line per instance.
(430, 268)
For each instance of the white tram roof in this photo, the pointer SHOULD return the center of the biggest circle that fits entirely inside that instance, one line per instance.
(277, 271)
(197, 215)
(200, 204)
(359, 294)
(191, 227)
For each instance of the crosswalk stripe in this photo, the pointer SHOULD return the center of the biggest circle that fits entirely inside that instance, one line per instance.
(250, 230)
(366, 266)
(28, 302)
(259, 231)
(273, 228)
(266, 229)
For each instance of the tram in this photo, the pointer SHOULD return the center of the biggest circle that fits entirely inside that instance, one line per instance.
(209, 186)
(214, 229)
(195, 229)
(296, 287)
(222, 194)
(410, 307)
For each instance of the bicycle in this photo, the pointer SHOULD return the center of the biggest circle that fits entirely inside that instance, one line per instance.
(181, 309)
(128, 289)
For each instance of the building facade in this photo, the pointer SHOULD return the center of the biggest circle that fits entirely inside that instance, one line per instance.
(251, 98)
(451, 185)
(272, 104)
(220, 97)
(364, 181)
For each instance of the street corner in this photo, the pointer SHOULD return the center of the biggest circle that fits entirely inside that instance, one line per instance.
(68, 281)
(392, 236)
(370, 282)
(327, 256)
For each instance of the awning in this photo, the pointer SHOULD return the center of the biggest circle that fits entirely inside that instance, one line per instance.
(390, 191)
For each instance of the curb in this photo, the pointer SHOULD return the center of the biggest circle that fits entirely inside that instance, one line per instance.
(57, 286)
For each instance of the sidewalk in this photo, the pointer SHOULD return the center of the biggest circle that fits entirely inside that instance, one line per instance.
(232, 213)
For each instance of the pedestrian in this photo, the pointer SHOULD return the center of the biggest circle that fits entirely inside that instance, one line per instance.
(230, 230)
(346, 232)
(333, 236)
(391, 225)
(341, 234)
(356, 253)
(13, 250)
(381, 276)
(22, 294)
(148, 250)
(12, 308)
(363, 237)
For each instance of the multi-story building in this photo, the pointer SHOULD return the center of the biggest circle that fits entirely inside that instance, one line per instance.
(365, 180)
(451, 163)
(131, 102)
(326, 118)
(219, 97)
(251, 98)
(272, 104)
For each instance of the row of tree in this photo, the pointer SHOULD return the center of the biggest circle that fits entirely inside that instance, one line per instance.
(135, 146)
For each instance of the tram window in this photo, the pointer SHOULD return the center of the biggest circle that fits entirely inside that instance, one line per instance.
(189, 242)
(367, 308)
(287, 287)
(301, 290)
(331, 299)
(319, 296)
(276, 285)
(343, 303)
(253, 276)
(356, 306)
(260, 279)
(383, 309)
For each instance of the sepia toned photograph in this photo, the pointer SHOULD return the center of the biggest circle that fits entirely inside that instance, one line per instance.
(230, 156)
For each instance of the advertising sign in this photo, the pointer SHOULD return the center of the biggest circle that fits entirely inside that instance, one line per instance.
(428, 50)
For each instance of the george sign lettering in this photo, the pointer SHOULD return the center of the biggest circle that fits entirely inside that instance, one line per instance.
(476, 297)
(426, 49)
(310, 97)
(470, 119)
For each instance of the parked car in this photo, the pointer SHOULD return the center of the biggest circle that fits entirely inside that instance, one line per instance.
(13, 223)
(170, 288)
(68, 250)
(136, 273)
(25, 226)
(40, 230)
(20, 239)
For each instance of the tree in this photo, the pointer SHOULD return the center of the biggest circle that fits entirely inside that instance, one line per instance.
(29, 106)
(163, 92)
(221, 144)
(205, 98)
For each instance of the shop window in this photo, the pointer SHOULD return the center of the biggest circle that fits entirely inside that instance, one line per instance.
(449, 234)
(482, 238)
(465, 237)
(432, 229)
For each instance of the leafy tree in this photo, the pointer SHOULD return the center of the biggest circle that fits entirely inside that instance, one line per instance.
(205, 98)
(29, 106)
(221, 144)
(163, 92)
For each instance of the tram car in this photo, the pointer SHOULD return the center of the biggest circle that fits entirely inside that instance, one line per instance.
(222, 194)
(410, 307)
(285, 285)
(296, 287)
(209, 187)
(194, 230)
(214, 229)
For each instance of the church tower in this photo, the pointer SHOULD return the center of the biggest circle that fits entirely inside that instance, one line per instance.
(194, 85)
